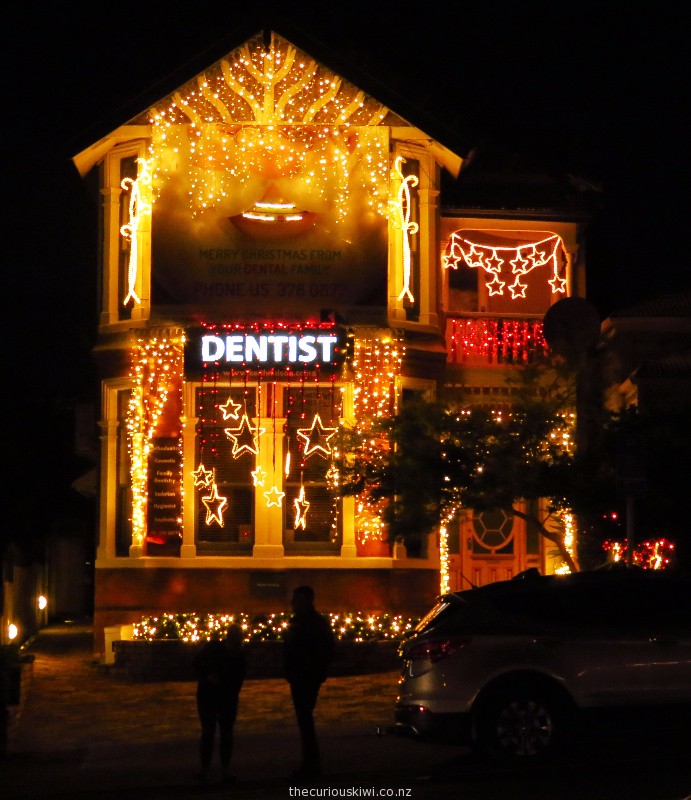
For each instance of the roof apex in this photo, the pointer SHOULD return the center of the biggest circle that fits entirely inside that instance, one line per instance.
(137, 109)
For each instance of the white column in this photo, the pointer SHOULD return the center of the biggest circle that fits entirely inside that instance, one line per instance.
(188, 548)
(268, 520)
(108, 489)
(111, 233)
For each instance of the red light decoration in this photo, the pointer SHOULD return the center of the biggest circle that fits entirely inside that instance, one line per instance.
(652, 554)
(494, 341)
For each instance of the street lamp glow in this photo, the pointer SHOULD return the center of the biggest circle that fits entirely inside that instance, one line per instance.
(42, 603)
(12, 631)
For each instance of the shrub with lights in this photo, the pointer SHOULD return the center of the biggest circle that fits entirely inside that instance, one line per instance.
(653, 554)
(191, 627)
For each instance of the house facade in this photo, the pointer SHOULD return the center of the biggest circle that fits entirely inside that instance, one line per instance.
(279, 259)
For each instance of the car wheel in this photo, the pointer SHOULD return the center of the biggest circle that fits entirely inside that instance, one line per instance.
(520, 725)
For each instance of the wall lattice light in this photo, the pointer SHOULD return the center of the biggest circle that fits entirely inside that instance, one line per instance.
(157, 368)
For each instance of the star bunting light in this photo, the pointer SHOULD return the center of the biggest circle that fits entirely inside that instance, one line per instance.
(546, 250)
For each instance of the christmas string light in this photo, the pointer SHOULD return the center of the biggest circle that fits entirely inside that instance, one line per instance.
(258, 476)
(444, 578)
(271, 104)
(464, 247)
(494, 341)
(274, 497)
(157, 368)
(230, 409)
(355, 626)
(203, 477)
(651, 554)
(568, 522)
(376, 364)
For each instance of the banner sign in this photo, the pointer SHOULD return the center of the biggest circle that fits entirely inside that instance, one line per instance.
(164, 507)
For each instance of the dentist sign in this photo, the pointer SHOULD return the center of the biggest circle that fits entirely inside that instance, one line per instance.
(281, 349)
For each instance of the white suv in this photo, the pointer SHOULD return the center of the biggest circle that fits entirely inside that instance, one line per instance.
(505, 667)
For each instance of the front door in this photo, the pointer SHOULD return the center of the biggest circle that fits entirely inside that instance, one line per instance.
(489, 546)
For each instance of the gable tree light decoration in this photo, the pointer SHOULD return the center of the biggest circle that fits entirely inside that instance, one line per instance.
(269, 103)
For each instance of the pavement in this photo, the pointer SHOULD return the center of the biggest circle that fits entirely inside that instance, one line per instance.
(85, 733)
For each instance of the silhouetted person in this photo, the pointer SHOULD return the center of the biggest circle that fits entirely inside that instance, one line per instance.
(308, 650)
(220, 667)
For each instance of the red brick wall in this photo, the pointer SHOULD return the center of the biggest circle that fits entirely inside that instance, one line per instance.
(125, 595)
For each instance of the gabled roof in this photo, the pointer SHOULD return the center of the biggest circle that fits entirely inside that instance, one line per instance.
(359, 86)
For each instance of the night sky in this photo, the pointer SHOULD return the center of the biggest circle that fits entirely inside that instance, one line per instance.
(598, 91)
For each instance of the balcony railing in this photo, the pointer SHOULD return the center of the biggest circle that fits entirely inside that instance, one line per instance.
(486, 341)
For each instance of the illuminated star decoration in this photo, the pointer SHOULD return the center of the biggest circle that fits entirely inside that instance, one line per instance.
(203, 477)
(274, 497)
(301, 506)
(230, 410)
(495, 286)
(317, 437)
(258, 476)
(517, 288)
(245, 437)
(558, 284)
(215, 505)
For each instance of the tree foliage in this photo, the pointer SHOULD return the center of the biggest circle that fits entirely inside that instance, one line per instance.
(434, 458)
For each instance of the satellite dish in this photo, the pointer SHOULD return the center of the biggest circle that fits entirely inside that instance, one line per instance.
(571, 326)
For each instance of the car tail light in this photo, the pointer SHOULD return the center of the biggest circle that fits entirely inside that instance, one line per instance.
(436, 649)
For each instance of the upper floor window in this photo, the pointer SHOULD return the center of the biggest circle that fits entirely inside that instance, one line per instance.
(226, 447)
(128, 174)
(126, 226)
(312, 506)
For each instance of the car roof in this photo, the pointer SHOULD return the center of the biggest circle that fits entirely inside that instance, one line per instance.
(623, 577)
